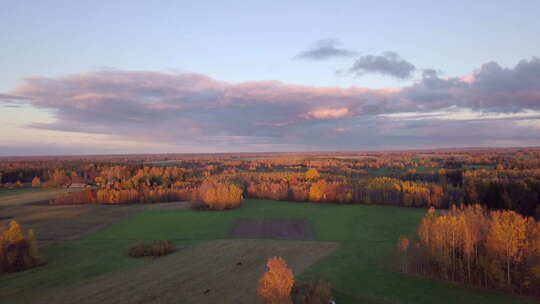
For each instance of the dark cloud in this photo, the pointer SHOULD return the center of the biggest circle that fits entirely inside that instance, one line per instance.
(387, 64)
(325, 49)
(490, 88)
(11, 101)
(493, 105)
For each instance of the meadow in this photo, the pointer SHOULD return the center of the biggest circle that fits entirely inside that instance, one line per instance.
(354, 249)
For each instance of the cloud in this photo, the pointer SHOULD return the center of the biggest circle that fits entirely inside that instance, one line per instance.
(325, 49)
(492, 105)
(10, 101)
(489, 88)
(332, 113)
(10, 97)
(387, 64)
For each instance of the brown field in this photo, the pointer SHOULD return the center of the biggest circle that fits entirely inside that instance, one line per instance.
(28, 195)
(289, 229)
(57, 223)
(221, 271)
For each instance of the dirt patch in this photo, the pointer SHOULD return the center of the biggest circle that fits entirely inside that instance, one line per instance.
(222, 271)
(30, 195)
(289, 229)
(38, 203)
(57, 223)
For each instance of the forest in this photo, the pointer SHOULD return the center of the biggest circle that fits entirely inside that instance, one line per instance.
(495, 178)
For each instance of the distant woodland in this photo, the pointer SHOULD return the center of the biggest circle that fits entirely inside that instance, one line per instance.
(495, 178)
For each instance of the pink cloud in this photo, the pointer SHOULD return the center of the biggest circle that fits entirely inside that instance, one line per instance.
(187, 108)
(328, 113)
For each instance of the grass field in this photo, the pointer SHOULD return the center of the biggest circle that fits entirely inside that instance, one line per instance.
(478, 167)
(354, 250)
(206, 273)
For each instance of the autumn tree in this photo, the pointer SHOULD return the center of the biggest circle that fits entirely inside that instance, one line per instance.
(507, 237)
(472, 245)
(220, 194)
(276, 283)
(13, 233)
(33, 248)
(312, 174)
(317, 191)
(18, 252)
(36, 182)
(403, 246)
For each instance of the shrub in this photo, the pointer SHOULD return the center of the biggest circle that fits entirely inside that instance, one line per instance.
(220, 194)
(312, 293)
(155, 248)
(276, 284)
(18, 252)
(199, 205)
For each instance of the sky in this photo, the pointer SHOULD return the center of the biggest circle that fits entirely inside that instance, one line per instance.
(102, 77)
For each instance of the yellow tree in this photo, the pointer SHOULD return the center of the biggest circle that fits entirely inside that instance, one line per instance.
(220, 194)
(473, 232)
(317, 191)
(13, 234)
(312, 174)
(507, 237)
(33, 249)
(276, 283)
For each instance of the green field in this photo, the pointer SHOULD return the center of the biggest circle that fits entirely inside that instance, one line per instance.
(423, 169)
(478, 167)
(363, 268)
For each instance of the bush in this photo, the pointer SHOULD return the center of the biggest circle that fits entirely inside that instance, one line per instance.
(154, 248)
(220, 194)
(198, 205)
(312, 293)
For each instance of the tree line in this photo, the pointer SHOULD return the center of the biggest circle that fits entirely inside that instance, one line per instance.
(469, 244)
(498, 179)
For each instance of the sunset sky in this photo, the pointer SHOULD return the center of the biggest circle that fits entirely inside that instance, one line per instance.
(87, 77)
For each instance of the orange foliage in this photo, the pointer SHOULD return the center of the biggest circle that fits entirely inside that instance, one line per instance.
(507, 238)
(220, 195)
(312, 173)
(276, 284)
(471, 245)
(36, 182)
(73, 198)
